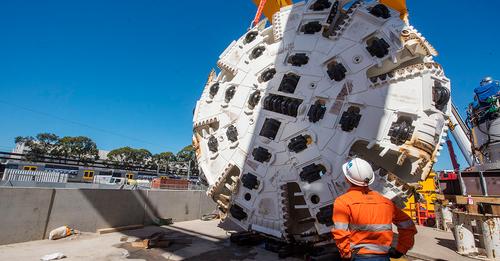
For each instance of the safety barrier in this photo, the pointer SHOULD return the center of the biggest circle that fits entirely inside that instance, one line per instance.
(31, 213)
(477, 234)
(33, 175)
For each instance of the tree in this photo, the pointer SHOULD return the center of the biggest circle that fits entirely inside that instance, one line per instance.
(42, 145)
(142, 156)
(127, 156)
(48, 142)
(45, 144)
(20, 139)
(186, 154)
(81, 147)
(121, 155)
(35, 151)
(163, 159)
(47, 139)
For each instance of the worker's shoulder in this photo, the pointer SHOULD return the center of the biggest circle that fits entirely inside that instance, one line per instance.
(380, 197)
(342, 198)
(348, 196)
(353, 196)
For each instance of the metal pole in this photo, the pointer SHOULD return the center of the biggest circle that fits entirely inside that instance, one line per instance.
(462, 184)
(483, 184)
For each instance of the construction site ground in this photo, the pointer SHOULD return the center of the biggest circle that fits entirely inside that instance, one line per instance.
(193, 240)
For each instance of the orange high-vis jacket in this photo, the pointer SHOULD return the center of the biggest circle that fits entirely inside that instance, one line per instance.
(363, 222)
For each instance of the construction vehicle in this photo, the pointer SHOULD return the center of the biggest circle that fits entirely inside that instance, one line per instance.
(293, 101)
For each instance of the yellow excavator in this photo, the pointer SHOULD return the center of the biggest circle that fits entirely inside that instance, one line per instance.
(270, 7)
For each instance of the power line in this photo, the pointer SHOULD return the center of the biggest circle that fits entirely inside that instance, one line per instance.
(77, 123)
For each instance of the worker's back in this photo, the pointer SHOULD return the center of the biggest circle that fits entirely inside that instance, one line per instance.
(363, 223)
(368, 207)
(370, 218)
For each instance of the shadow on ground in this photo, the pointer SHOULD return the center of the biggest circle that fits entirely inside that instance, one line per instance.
(192, 244)
(448, 243)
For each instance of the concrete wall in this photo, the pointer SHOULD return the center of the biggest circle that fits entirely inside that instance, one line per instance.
(23, 214)
(91, 209)
(31, 213)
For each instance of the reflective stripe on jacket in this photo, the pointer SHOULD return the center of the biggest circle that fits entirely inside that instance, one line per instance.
(363, 220)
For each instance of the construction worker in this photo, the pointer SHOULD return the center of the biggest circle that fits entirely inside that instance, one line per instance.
(363, 219)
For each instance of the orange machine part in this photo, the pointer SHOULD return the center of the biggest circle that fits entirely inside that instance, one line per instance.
(272, 6)
(398, 5)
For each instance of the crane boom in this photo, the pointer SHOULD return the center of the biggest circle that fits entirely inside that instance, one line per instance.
(461, 133)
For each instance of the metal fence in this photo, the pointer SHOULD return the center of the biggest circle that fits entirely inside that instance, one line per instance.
(36, 176)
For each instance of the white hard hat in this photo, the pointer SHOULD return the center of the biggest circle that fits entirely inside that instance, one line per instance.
(359, 172)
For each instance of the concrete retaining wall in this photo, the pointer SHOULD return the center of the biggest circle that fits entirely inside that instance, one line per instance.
(31, 213)
(23, 214)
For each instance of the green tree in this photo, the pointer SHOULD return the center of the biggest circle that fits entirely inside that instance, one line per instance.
(186, 154)
(163, 159)
(48, 141)
(20, 139)
(45, 144)
(121, 155)
(81, 147)
(41, 145)
(35, 151)
(127, 156)
(142, 156)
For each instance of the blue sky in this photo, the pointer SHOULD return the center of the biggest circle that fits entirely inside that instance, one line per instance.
(128, 73)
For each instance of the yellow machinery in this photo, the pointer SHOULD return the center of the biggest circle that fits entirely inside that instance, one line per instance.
(422, 212)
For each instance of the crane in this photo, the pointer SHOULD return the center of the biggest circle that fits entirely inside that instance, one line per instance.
(461, 133)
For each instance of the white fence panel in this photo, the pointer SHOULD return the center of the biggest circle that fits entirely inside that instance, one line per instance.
(35, 176)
